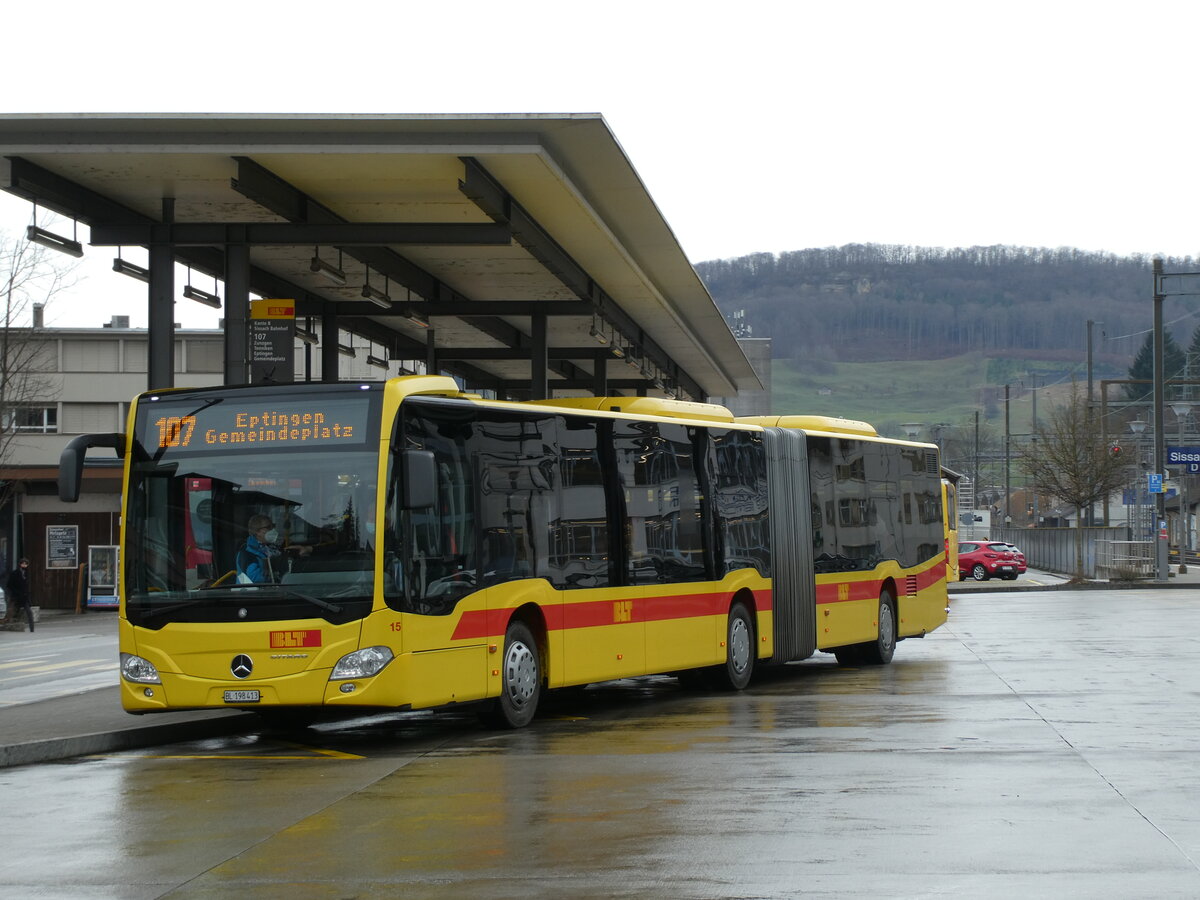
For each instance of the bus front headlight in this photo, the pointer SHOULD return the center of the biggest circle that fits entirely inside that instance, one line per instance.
(361, 663)
(138, 670)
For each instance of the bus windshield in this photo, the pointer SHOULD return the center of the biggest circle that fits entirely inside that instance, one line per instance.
(246, 508)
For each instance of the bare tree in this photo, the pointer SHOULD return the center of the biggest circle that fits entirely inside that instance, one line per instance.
(977, 451)
(30, 276)
(1072, 462)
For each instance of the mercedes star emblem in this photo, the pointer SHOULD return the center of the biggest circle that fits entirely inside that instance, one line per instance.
(242, 666)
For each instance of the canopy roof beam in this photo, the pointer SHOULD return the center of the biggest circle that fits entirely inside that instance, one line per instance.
(490, 196)
(264, 187)
(52, 191)
(283, 234)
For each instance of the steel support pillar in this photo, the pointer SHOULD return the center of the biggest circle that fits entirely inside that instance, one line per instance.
(160, 367)
(539, 358)
(237, 307)
(431, 357)
(600, 381)
(329, 347)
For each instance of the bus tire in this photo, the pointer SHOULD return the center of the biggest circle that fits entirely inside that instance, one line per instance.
(520, 681)
(880, 651)
(735, 675)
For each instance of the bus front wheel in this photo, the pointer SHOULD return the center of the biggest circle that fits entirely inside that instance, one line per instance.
(520, 681)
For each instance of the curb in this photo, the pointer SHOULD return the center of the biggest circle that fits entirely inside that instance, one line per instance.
(1067, 586)
(118, 739)
(56, 749)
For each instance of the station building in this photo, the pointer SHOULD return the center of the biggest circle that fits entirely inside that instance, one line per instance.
(82, 381)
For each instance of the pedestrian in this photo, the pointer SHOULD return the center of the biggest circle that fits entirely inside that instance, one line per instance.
(18, 591)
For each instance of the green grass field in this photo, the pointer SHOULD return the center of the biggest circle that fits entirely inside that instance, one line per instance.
(886, 394)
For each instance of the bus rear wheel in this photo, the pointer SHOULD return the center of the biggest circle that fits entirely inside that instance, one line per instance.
(520, 681)
(880, 651)
(735, 675)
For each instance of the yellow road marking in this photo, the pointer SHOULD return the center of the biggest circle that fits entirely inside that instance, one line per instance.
(313, 753)
(56, 667)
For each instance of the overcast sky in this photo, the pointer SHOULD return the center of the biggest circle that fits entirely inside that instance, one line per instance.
(756, 126)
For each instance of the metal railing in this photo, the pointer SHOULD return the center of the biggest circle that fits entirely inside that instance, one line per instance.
(1053, 549)
(1125, 560)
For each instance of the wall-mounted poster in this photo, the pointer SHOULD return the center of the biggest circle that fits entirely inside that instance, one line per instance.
(62, 546)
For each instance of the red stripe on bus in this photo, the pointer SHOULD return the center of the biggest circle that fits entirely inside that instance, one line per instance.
(858, 590)
(593, 613)
(869, 590)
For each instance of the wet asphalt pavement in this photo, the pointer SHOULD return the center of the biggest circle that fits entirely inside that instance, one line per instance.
(1042, 744)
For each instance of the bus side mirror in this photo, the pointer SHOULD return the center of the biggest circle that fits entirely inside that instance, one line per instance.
(418, 474)
(70, 461)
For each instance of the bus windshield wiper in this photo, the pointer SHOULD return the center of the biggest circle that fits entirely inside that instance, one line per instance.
(315, 601)
(151, 610)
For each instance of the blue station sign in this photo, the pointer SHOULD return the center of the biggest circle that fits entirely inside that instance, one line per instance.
(1188, 457)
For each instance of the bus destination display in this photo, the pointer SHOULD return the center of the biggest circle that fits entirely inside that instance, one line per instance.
(198, 426)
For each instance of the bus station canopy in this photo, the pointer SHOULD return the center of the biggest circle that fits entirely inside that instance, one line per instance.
(521, 253)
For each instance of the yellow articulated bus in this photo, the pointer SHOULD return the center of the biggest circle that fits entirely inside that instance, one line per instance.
(950, 522)
(401, 544)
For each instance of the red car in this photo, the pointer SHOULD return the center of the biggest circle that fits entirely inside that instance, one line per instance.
(1020, 558)
(982, 560)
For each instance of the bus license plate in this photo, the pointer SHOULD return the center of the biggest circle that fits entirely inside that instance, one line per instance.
(242, 696)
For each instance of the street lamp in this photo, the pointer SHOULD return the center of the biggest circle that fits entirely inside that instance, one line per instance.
(1181, 410)
(912, 429)
(1138, 427)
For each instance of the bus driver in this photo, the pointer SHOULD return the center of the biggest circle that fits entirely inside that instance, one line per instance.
(254, 559)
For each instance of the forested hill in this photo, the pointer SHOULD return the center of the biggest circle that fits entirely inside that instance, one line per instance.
(874, 301)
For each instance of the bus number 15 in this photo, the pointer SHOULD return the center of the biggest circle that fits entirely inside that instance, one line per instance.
(175, 431)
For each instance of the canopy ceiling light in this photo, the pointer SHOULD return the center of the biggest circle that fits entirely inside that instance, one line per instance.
(415, 317)
(133, 270)
(374, 294)
(329, 270)
(373, 360)
(306, 336)
(194, 293)
(41, 236)
(597, 331)
(54, 241)
(346, 349)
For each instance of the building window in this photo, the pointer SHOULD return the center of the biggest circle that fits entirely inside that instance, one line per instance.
(90, 356)
(88, 418)
(205, 355)
(35, 419)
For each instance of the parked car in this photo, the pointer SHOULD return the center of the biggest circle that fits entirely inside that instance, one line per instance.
(1020, 558)
(982, 560)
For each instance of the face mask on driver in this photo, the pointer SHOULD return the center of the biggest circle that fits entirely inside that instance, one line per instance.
(272, 536)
